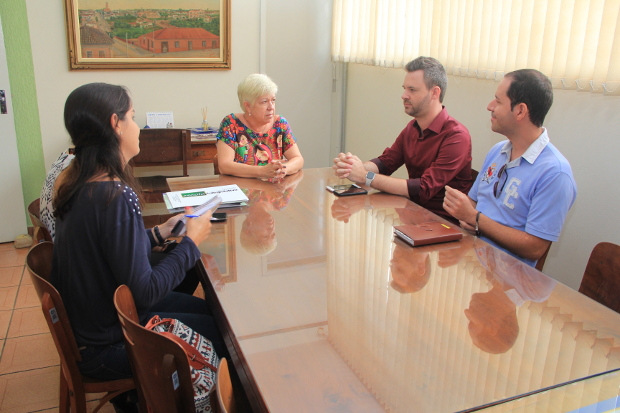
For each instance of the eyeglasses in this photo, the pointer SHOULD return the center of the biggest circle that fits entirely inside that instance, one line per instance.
(499, 179)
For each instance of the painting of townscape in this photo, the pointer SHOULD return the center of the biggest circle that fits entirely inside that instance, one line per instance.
(149, 34)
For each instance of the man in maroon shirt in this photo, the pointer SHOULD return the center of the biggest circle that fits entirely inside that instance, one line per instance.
(435, 148)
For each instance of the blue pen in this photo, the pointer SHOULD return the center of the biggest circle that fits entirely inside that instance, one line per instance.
(192, 216)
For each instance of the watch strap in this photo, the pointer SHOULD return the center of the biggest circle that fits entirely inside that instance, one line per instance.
(370, 178)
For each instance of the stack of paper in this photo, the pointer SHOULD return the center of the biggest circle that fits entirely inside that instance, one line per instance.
(232, 196)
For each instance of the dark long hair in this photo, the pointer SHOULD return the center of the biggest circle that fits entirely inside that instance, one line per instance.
(88, 111)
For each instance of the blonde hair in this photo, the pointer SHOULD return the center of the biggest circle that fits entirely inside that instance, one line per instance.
(253, 87)
(254, 245)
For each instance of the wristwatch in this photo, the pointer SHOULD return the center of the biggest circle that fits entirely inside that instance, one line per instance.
(369, 177)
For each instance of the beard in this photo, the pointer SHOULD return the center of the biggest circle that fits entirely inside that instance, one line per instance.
(416, 110)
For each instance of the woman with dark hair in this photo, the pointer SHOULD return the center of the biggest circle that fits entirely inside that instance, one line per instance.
(101, 241)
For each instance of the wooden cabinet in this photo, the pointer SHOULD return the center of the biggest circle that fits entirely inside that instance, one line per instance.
(202, 152)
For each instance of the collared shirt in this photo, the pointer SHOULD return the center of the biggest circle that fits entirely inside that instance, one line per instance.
(530, 154)
(535, 194)
(438, 156)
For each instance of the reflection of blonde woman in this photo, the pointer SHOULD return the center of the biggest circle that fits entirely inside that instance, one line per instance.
(258, 231)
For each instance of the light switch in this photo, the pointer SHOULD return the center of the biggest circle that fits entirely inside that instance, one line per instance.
(3, 110)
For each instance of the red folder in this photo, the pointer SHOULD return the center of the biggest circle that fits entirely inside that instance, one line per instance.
(428, 233)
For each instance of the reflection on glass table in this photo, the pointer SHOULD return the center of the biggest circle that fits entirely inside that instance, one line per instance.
(339, 317)
(590, 395)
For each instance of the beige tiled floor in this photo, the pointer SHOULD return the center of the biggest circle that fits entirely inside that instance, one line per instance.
(29, 363)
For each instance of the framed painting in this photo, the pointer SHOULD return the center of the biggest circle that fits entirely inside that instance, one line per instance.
(148, 34)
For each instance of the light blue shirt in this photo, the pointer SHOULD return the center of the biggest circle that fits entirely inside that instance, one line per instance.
(539, 190)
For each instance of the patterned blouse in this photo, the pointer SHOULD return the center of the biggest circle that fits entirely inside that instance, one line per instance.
(46, 209)
(252, 148)
(279, 202)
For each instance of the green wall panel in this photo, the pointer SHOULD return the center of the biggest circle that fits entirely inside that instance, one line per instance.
(16, 32)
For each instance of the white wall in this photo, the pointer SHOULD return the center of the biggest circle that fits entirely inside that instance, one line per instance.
(583, 126)
(298, 36)
(298, 42)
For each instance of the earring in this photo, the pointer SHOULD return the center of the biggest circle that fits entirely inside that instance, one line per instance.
(121, 133)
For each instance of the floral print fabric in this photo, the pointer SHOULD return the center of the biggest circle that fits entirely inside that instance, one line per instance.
(252, 148)
(278, 201)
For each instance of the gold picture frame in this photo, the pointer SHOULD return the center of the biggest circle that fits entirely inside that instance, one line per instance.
(148, 34)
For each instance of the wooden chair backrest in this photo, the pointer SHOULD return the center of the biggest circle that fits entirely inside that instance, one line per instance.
(164, 147)
(474, 175)
(601, 279)
(40, 230)
(224, 389)
(541, 261)
(216, 165)
(156, 361)
(39, 264)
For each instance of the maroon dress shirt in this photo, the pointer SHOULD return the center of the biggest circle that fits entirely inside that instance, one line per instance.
(438, 156)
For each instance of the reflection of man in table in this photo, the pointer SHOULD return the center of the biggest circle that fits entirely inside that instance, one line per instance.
(345, 207)
(258, 231)
(408, 213)
(492, 316)
(410, 268)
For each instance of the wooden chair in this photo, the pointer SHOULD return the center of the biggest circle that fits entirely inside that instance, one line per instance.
(474, 175)
(161, 147)
(541, 261)
(73, 385)
(224, 389)
(601, 279)
(160, 364)
(40, 232)
(164, 147)
(216, 165)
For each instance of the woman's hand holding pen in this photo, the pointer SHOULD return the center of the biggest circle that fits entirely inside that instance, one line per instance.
(198, 228)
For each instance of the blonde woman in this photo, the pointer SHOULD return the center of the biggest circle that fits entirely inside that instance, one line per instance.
(257, 143)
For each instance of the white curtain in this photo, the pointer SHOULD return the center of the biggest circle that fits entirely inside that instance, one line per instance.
(574, 42)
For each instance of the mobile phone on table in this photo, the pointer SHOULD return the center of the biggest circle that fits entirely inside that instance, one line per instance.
(346, 190)
(218, 216)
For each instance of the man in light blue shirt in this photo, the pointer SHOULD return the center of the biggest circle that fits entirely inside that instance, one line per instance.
(525, 187)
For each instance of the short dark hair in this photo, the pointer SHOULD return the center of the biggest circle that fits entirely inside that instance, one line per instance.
(531, 87)
(434, 73)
